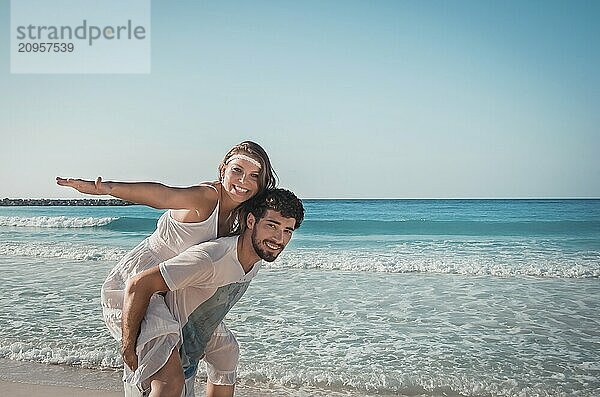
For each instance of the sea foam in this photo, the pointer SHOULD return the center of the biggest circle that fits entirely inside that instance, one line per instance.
(481, 264)
(316, 381)
(66, 250)
(54, 221)
(44, 354)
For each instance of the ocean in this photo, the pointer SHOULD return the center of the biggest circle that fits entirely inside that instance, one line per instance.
(371, 297)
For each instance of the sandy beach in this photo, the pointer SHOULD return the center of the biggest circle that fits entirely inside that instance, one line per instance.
(13, 389)
(22, 378)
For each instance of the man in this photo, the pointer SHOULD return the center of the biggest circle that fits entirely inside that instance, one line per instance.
(201, 285)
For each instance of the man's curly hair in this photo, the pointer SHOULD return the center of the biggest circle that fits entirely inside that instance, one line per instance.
(280, 200)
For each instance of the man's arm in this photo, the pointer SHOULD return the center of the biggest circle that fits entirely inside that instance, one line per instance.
(137, 296)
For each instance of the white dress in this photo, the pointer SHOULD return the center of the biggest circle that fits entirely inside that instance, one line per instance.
(170, 238)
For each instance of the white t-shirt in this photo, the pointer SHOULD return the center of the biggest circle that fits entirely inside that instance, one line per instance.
(195, 275)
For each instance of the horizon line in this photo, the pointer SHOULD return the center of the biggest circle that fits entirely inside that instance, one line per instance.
(345, 198)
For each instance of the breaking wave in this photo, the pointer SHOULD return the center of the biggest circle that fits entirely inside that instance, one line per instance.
(124, 224)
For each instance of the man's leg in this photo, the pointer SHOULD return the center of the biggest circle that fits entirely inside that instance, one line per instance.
(221, 355)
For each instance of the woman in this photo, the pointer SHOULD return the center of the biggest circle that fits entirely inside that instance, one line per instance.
(196, 214)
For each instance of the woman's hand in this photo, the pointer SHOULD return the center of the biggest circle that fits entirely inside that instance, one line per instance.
(83, 186)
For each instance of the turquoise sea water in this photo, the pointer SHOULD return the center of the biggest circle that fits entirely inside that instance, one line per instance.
(371, 297)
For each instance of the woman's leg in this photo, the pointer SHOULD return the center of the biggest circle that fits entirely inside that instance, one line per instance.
(221, 355)
(168, 381)
(213, 390)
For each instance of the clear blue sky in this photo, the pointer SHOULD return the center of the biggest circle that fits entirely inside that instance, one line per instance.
(395, 99)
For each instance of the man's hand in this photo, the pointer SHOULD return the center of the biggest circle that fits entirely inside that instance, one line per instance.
(138, 291)
(129, 357)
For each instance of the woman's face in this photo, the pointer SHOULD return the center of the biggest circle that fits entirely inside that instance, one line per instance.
(240, 179)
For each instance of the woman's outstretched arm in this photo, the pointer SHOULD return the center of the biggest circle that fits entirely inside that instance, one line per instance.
(152, 194)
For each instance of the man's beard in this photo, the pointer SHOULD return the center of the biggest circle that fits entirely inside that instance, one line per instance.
(262, 253)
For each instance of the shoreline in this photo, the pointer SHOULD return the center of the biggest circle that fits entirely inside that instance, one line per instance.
(35, 379)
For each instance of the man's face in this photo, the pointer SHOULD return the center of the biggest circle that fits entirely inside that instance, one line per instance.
(271, 234)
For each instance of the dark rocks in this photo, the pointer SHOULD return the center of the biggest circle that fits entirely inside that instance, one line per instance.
(63, 202)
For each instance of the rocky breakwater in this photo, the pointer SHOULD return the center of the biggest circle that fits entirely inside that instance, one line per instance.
(8, 202)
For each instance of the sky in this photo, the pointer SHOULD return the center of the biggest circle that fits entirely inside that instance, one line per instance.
(351, 99)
